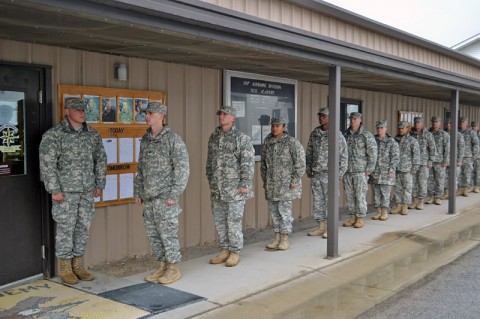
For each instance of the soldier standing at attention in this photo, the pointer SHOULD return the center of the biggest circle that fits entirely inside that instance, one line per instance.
(317, 169)
(72, 167)
(362, 158)
(407, 167)
(282, 168)
(469, 156)
(383, 176)
(476, 165)
(229, 168)
(162, 176)
(436, 176)
(428, 155)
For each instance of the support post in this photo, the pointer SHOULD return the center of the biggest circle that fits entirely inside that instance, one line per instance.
(452, 170)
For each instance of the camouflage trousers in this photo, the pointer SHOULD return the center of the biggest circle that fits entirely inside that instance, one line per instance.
(381, 195)
(403, 188)
(420, 181)
(161, 224)
(466, 172)
(228, 218)
(73, 217)
(356, 187)
(476, 172)
(320, 195)
(281, 212)
(447, 177)
(436, 178)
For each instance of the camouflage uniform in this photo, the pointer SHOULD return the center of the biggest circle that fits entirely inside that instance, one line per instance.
(72, 162)
(163, 171)
(476, 166)
(428, 155)
(387, 161)
(460, 151)
(230, 166)
(469, 156)
(436, 176)
(282, 165)
(406, 168)
(362, 158)
(317, 168)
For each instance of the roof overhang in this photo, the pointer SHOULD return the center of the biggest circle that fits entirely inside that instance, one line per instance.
(196, 33)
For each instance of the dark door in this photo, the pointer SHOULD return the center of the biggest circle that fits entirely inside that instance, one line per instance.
(23, 209)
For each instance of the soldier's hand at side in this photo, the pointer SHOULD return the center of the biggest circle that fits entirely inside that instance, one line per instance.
(58, 197)
(459, 164)
(97, 192)
(309, 175)
(169, 202)
(243, 190)
(391, 174)
(429, 165)
(292, 186)
(138, 200)
(444, 165)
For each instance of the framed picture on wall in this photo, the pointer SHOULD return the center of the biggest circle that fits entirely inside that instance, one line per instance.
(109, 109)
(92, 108)
(140, 105)
(125, 109)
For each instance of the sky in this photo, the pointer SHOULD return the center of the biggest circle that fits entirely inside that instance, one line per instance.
(446, 22)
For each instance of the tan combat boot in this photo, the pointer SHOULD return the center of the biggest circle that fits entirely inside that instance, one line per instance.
(465, 192)
(154, 276)
(460, 191)
(172, 274)
(233, 259)
(397, 209)
(274, 244)
(384, 215)
(445, 195)
(66, 272)
(283, 242)
(320, 230)
(476, 189)
(420, 205)
(221, 258)
(351, 221)
(414, 203)
(378, 214)
(437, 201)
(79, 271)
(431, 200)
(325, 235)
(360, 223)
(404, 210)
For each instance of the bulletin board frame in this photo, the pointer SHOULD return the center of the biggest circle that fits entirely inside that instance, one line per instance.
(121, 133)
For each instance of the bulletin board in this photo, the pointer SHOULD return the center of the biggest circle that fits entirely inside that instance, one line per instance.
(117, 116)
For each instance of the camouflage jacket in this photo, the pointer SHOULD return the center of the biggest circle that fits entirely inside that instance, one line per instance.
(72, 161)
(282, 164)
(163, 166)
(471, 143)
(362, 151)
(387, 160)
(230, 165)
(460, 148)
(442, 142)
(409, 154)
(428, 149)
(317, 152)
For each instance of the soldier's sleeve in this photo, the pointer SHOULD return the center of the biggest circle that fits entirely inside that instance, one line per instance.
(371, 153)
(475, 147)
(461, 148)
(138, 182)
(433, 155)
(100, 163)
(343, 156)
(446, 149)
(247, 162)
(394, 157)
(181, 168)
(208, 165)
(298, 155)
(309, 155)
(49, 153)
(415, 155)
(263, 164)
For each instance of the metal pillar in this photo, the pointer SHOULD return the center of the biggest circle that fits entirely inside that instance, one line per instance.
(333, 157)
(452, 171)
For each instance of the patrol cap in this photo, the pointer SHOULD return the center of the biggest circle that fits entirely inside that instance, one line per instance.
(75, 103)
(402, 124)
(279, 120)
(381, 123)
(463, 119)
(156, 107)
(418, 119)
(474, 123)
(323, 110)
(227, 110)
(436, 119)
(357, 115)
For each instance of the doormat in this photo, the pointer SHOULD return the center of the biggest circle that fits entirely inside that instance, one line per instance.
(152, 297)
(47, 300)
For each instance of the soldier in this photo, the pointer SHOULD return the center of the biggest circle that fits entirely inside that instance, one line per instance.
(72, 167)
(428, 155)
(460, 151)
(282, 168)
(162, 176)
(362, 158)
(407, 167)
(476, 164)
(317, 169)
(383, 177)
(230, 165)
(436, 176)
(469, 157)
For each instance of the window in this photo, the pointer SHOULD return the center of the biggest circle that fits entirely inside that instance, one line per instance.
(348, 106)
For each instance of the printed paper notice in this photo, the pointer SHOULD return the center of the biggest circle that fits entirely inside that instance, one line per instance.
(126, 185)
(240, 107)
(126, 150)
(137, 148)
(256, 134)
(111, 190)
(110, 145)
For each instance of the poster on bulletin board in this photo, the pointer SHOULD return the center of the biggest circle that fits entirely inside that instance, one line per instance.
(117, 116)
